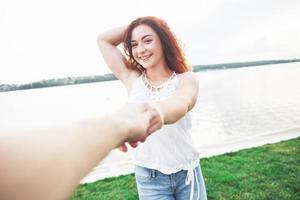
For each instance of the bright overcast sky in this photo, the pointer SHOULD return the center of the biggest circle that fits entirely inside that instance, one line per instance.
(42, 39)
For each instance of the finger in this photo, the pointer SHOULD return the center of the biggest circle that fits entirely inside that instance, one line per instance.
(155, 125)
(123, 147)
(133, 144)
(143, 139)
(154, 128)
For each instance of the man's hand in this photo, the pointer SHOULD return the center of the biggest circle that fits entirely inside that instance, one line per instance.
(145, 119)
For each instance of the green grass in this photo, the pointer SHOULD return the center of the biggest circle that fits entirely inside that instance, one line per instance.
(270, 172)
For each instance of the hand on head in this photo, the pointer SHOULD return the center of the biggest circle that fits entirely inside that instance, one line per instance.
(144, 119)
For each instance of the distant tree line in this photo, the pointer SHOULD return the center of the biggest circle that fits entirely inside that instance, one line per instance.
(110, 77)
(57, 82)
(198, 68)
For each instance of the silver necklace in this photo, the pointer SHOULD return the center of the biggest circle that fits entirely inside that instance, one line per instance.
(154, 88)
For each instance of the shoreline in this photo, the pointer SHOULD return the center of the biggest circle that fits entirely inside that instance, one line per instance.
(55, 82)
(118, 163)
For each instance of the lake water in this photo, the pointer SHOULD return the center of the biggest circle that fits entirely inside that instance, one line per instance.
(236, 108)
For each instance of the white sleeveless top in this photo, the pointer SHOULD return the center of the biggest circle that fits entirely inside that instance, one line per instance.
(169, 149)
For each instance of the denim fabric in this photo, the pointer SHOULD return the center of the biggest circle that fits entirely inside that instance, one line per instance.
(152, 185)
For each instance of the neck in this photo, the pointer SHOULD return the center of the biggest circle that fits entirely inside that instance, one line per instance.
(157, 74)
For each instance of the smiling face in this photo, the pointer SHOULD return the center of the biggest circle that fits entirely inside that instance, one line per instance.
(161, 50)
(146, 47)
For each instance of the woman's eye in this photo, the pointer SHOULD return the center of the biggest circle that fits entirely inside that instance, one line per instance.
(148, 41)
(133, 45)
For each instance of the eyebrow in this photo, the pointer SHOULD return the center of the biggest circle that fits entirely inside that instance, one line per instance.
(142, 37)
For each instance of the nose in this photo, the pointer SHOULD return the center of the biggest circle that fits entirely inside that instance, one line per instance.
(141, 49)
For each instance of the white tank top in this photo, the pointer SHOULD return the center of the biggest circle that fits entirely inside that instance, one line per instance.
(169, 149)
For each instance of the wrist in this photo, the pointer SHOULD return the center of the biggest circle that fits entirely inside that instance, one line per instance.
(121, 126)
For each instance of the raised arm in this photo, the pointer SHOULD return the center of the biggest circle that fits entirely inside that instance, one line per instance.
(182, 101)
(116, 61)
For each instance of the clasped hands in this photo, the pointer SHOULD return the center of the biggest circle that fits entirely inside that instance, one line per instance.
(141, 119)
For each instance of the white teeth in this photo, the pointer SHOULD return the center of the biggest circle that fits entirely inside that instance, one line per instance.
(144, 57)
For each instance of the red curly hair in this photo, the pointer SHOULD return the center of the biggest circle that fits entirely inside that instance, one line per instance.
(173, 53)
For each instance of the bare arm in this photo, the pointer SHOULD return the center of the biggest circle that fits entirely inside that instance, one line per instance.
(182, 101)
(176, 106)
(49, 163)
(107, 43)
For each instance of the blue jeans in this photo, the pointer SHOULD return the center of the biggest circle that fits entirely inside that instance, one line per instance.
(152, 184)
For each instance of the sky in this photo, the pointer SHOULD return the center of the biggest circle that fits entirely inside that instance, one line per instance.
(42, 39)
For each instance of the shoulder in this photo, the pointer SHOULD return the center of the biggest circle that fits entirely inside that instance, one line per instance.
(189, 78)
(188, 87)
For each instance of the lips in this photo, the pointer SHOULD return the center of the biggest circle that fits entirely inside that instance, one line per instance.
(144, 58)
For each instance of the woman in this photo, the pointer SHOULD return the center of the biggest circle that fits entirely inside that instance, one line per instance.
(167, 164)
